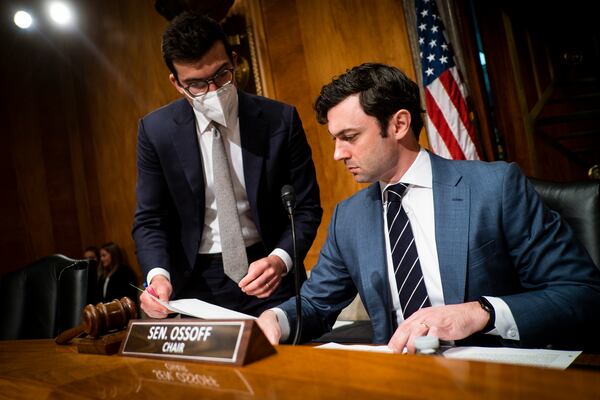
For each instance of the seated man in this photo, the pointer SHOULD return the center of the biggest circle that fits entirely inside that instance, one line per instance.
(453, 249)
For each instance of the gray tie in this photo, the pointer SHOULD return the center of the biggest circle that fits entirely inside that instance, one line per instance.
(235, 260)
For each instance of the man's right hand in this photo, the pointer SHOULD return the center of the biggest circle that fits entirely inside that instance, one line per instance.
(267, 321)
(159, 287)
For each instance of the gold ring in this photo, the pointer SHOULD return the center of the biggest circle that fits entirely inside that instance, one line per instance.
(267, 284)
(425, 325)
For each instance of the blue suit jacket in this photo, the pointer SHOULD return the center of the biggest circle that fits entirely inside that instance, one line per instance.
(169, 218)
(494, 237)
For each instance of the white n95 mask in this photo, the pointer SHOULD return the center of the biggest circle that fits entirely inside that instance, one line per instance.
(218, 104)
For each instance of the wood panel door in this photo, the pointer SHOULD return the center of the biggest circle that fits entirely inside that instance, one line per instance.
(544, 70)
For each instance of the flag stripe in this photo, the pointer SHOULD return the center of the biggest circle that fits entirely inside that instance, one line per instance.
(461, 87)
(448, 80)
(436, 143)
(445, 104)
(437, 118)
(455, 97)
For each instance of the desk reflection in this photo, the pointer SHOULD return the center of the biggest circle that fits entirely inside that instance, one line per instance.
(155, 378)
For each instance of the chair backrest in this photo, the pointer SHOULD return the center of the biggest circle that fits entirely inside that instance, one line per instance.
(46, 297)
(579, 205)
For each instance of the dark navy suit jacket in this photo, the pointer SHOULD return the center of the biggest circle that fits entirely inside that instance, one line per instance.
(494, 237)
(169, 217)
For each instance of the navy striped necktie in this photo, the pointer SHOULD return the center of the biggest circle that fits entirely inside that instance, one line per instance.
(407, 268)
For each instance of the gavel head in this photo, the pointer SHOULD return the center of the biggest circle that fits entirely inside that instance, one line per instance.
(106, 317)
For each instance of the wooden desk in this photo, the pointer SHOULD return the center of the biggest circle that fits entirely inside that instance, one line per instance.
(36, 369)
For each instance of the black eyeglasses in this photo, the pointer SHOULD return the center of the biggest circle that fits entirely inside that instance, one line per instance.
(200, 87)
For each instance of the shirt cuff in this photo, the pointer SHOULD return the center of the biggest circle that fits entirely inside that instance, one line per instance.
(506, 326)
(157, 271)
(284, 324)
(285, 257)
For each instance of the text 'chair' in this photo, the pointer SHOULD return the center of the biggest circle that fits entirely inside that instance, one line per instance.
(46, 297)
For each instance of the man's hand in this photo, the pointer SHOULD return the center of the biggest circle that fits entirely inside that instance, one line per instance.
(451, 322)
(264, 276)
(267, 321)
(159, 287)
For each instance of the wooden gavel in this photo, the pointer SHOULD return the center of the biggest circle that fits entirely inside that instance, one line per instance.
(101, 319)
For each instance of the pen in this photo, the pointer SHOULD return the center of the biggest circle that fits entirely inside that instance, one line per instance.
(150, 290)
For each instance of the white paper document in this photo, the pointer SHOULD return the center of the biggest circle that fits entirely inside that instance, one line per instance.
(202, 309)
(199, 309)
(559, 359)
(360, 347)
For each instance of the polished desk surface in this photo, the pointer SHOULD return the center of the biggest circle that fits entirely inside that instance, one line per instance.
(36, 369)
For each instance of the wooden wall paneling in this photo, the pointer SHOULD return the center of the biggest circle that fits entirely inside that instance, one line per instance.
(14, 236)
(308, 43)
(14, 241)
(534, 70)
(82, 183)
(258, 42)
(551, 163)
(25, 128)
(507, 96)
(128, 80)
(108, 104)
(523, 60)
(285, 56)
(543, 62)
(85, 174)
(59, 122)
(526, 155)
(536, 113)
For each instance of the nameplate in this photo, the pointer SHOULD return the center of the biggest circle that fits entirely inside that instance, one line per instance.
(235, 342)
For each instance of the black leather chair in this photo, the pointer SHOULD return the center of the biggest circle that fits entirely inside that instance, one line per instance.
(46, 297)
(579, 205)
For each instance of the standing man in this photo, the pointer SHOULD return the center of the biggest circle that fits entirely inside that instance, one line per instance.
(209, 222)
(453, 249)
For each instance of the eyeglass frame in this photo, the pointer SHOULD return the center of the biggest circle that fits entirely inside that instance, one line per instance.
(208, 82)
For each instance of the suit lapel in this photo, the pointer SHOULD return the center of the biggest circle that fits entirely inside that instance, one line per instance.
(186, 144)
(254, 137)
(451, 203)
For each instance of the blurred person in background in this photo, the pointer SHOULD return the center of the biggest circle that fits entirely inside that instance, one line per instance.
(115, 277)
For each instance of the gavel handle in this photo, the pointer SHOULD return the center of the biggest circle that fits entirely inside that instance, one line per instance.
(66, 336)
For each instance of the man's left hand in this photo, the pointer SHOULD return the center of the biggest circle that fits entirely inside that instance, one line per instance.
(451, 322)
(264, 277)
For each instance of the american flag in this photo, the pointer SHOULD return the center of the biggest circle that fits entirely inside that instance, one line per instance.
(449, 129)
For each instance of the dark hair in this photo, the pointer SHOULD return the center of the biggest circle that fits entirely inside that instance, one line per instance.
(94, 250)
(382, 89)
(189, 37)
(115, 253)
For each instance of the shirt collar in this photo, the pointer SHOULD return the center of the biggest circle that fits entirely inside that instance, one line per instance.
(201, 121)
(418, 174)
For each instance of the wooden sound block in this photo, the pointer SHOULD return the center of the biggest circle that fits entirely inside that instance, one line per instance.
(106, 344)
